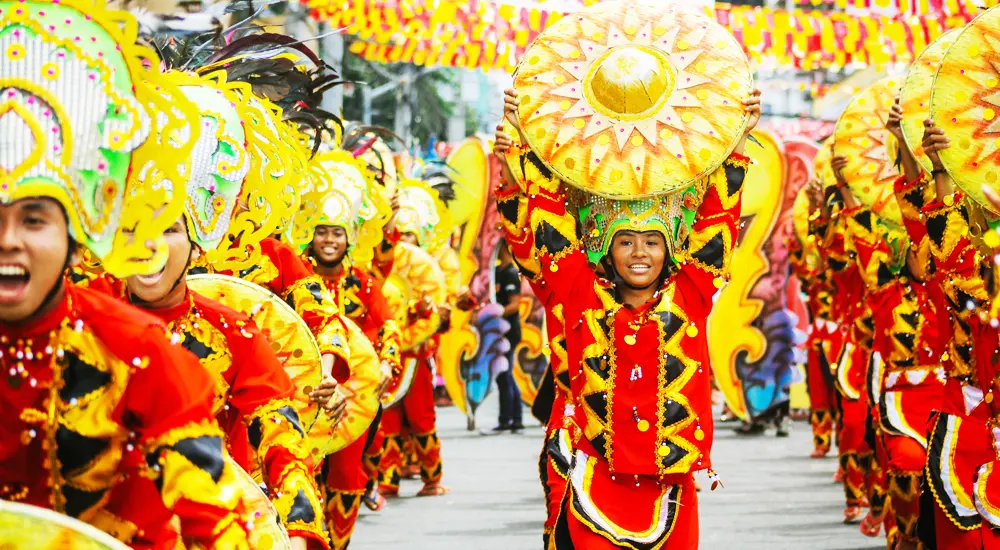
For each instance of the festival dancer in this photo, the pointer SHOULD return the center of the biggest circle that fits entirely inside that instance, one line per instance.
(639, 448)
(823, 344)
(416, 220)
(339, 251)
(252, 392)
(90, 379)
(961, 447)
(850, 312)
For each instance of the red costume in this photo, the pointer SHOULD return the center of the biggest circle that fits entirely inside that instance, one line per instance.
(351, 471)
(637, 439)
(861, 472)
(93, 381)
(825, 339)
(962, 451)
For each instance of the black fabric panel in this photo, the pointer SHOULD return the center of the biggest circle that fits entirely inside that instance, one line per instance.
(599, 403)
(546, 236)
(81, 378)
(76, 451)
(301, 509)
(712, 253)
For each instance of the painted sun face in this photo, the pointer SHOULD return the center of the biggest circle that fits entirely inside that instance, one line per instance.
(630, 100)
(915, 97)
(965, 103)
(870, 149)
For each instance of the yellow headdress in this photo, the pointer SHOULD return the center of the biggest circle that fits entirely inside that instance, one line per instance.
(79, 115)
(422, 213)
(350, 198)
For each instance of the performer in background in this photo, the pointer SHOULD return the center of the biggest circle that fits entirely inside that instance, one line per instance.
(646, 312)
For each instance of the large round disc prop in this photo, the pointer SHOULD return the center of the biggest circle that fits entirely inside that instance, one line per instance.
(289, 335)
(915, 97)
(821, 164)
(362, 403)
(870, 149)
(633, 99)
(25, 527)
(965, 103)
(800, 216)
(396, 292)
(266, 532)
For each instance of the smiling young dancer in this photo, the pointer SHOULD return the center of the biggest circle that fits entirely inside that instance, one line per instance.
(342, 236)
(253, 394)
(636, 437)
(90, 381)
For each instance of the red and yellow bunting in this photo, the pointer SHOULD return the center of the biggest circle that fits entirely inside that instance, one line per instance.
(493, 34)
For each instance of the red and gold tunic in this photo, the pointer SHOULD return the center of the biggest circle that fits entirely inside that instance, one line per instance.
(907, 332)
(640, 376)
(95, 380)
(609, 344)
(285, 274)
(963, 449)
(253, 406)
(849, 308)
(360, 298)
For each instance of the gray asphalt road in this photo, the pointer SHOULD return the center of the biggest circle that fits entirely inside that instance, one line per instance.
(775, 497)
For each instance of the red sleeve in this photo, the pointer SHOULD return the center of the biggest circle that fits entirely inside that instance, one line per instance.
(707, 252)
(261, 391)
(168, 404)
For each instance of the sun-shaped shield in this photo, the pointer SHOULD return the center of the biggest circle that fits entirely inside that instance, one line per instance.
(290, 337)
(870, 149)
(633, 99)
(965, 103)
(915, 97)
(24, 527)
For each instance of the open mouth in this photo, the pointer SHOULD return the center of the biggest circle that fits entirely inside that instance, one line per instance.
(640, 269)
(150, 280)
(13, 282)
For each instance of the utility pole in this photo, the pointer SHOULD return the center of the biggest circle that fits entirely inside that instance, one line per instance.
(333, 53)
(404, 106)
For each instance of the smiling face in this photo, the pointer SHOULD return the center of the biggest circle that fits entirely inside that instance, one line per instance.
(639, 257)
(34, 247)
(161, 289)
(329, 244)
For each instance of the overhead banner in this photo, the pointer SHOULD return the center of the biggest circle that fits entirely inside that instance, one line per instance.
(487, 35)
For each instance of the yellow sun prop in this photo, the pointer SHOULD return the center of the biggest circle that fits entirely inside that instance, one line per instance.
(821, 164)
(965, 103)
(915, 97)
(870, 149)
(631, 100)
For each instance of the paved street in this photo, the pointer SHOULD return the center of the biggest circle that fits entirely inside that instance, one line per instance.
(775, 497)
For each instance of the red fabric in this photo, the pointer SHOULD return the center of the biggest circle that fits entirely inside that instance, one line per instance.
(375, 311)
(345, 470)
(170, 392)
(416, 407)
(818, 383)
(342, 516)
(851, 445)
(417, 411)
(684, 533)
(950, 537)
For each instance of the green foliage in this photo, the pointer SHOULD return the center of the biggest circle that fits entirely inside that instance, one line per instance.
(430, 111)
